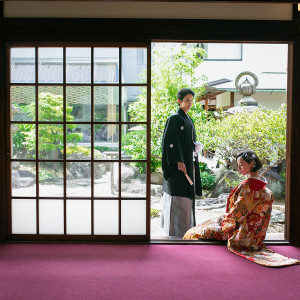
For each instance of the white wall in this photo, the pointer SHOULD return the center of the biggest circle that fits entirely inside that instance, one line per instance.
(267, 99)
(171, 10)
(223, 100)
(257, 58)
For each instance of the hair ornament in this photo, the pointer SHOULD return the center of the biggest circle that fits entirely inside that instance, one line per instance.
(250, 155)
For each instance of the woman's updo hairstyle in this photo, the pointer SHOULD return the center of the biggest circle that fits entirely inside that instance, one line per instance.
(250, 156)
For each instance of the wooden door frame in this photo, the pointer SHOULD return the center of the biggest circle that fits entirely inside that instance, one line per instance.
(150, 30)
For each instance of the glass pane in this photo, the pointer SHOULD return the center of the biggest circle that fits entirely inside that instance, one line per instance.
(23, 141)
(50, 141)
(133, 179)
(22, 103)
(133, 217)
(134, 104)
(51, 216)
(134, 138)
(106, 65)
(106, 103)
(106, 217)
(106, 183)
(78, 216)
(106, 141)
(134, 65)
(78, 179)
(23, 216)
(51, 179)
(22, 65)
(78, 65)
(78, 141)
(50, 65)
(78, 103)
(51, 103)
(23, 179)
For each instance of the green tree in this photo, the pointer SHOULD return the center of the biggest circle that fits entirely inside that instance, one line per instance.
(263, 131)
(173, 68)
(50, 108)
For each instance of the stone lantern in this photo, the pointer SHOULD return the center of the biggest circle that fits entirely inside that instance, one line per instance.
(246, 89)
(14, 110)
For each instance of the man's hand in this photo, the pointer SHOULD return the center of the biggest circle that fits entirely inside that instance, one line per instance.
(181, 167)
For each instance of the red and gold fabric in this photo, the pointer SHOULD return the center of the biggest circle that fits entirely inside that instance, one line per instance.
(245, 224)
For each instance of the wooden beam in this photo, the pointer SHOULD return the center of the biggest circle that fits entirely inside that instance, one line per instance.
(225, 1)
(60, 29)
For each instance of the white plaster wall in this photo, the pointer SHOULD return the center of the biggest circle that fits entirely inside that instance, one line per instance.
(257, 58)
(268, 99)
(223, 100)
(175, 10)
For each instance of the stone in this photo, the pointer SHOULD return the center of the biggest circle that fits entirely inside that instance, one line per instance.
(277, 216)
(79, 169)
(128, 173)
(15, 178)
(22, 178)
(276, 184)
(156, 190)
(26, 181)
(212, 203)
(220, 185)
(157, 178)
(136, 187)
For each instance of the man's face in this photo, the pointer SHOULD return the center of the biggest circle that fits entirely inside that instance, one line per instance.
(186, 103)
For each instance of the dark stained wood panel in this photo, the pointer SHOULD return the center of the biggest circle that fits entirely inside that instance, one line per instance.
(293, 157)
(140, 30)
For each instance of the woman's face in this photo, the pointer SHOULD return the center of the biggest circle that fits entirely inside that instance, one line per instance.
(244, 167)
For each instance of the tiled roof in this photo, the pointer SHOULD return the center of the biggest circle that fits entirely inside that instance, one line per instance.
(53, 73)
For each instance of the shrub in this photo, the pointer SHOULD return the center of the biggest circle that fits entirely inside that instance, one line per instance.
(208, 180)
(154, 213)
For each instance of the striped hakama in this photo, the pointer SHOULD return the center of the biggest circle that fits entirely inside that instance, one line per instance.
(177, 215)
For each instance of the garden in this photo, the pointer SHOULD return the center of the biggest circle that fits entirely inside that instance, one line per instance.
(222, 137)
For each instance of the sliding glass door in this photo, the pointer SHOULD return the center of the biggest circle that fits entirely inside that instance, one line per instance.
(73, 174)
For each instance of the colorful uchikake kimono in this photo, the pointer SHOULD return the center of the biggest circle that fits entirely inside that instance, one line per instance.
(245, 224)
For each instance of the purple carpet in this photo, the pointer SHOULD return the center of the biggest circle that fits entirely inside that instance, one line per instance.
(97, 271)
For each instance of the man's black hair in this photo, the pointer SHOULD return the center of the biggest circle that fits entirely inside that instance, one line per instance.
(183, 92)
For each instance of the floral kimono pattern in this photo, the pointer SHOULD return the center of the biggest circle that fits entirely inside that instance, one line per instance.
(245, 224)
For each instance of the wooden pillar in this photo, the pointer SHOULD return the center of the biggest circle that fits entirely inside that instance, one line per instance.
(231, 99)
(206, 104)
(2, 138)
(293, 147)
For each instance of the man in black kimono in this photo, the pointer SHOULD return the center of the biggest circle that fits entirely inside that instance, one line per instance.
(180, 162)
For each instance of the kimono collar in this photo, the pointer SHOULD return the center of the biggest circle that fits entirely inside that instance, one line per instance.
(182, 113)
(256, 183)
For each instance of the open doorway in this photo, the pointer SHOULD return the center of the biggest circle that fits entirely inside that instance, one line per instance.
(215, 71)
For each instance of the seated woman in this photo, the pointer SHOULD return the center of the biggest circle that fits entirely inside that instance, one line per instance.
(247, 217)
